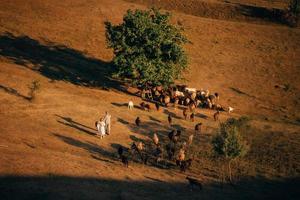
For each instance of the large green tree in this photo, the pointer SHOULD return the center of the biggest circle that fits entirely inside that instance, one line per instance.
(147, 48)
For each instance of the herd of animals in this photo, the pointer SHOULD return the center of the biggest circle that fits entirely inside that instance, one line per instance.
(175, 149)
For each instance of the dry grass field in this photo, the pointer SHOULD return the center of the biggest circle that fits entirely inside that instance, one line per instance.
(48, 147)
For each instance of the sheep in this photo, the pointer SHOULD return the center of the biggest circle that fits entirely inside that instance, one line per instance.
(180, 157)
(145, 106)
(176, 101)
(120, 151)
(179, 94)
(230, 109)
(155, 139)
(124, 160)
(166, 100)
(170, 150)
(190, 140)
(171, 135)
(138, 121)
(185, 111)
(192, 117)
(157, 106)
(130, 105)
(186, 164)
(169, 119)
(216, 115)
(198, 128)
(192, 106)
(190, 90)
(158, 153)
(187, 101)
(137, 148)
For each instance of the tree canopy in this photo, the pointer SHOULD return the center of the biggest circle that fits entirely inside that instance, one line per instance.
(147, 48)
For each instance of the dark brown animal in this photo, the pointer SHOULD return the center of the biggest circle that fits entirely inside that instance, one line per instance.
(120, 151)
(186, 164)
(169, 119)
(124, 160)
(138, 121)
(192, 117)
(145, 106)
(157, 106)
(216, 116)
(185, 111)
(198, 128)
(171, 134)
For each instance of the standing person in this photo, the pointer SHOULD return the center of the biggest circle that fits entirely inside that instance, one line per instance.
(101, 127)
(107, 122)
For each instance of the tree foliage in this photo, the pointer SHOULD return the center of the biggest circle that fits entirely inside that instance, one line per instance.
(228, 142)
(147, 48)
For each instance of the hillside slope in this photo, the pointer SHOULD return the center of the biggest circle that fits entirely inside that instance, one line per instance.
(48, 148)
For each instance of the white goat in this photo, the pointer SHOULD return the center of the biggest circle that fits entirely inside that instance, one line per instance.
(130, 105)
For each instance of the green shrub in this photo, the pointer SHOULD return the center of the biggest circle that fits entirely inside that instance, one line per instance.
(228, 143)
(34, 87)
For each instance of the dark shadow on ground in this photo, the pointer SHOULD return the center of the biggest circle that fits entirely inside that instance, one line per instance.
(53, 187)
(15, 92)
(59, 62)
(71, 123)
(92, 148)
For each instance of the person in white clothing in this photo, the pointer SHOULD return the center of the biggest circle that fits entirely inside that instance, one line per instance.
(107, 122)
(101, 127)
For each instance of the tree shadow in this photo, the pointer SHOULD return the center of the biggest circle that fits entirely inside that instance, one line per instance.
(90, 147)
(268, 14)
(59, 62)
(13, 91)
(71, 123)
(53, 187)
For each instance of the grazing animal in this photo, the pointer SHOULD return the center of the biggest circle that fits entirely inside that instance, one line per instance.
(185, 113)
(176, 103)
(157, 106)
(190, 141)
(230, 109)
(120, 151)
(192, 117)
(170, 150)
(198, 128)
(170, 119)
(194, 183)
(158, 153)
(138, 121)
(130, 105)
(137, 148)
(216, 116)
(155, 139)
(186, 164)
(180, 157)
(145, 106)
(171, 135)
(124, 160)
(217, 96)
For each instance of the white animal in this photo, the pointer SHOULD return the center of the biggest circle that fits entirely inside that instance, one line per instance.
(179, 94)
(230, 109)
(191, 90)
(130, 105)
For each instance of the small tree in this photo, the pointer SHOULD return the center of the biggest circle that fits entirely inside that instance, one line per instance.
(228, 143)
(34, 87)
(147, 48)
